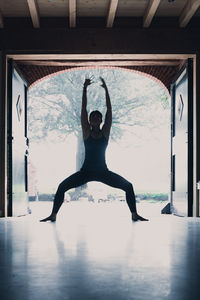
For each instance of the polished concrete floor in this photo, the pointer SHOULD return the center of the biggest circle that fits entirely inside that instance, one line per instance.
(94, 251)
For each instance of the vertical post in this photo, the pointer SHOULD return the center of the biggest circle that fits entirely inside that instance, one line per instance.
(191, 136)
(172, 157)
(9, 68)
(196, 134)
(3, 135)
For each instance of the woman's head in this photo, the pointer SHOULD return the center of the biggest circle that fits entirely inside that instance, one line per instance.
(95, 118)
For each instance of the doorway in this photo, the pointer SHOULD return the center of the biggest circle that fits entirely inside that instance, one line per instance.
(138, 150)
(128, 58)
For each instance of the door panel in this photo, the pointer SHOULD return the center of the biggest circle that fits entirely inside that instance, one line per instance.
(18, 148)
(181, 138)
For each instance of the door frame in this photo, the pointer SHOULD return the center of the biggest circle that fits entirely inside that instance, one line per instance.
(186, 69)
(47, 56)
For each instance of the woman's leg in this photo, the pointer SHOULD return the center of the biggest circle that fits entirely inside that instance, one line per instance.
(75, 180)
(114, 180)
(117, 181)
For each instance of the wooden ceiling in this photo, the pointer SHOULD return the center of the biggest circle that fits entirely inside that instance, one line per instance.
(36, 14)
(110, 10)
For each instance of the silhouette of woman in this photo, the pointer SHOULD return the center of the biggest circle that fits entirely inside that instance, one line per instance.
(94, 167)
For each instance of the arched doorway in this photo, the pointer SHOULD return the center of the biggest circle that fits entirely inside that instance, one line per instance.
(133, 93)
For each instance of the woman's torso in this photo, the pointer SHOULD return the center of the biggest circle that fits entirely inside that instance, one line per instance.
(95, 148)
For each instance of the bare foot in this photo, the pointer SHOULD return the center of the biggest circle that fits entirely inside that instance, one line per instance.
(51, 218)
(136, 217)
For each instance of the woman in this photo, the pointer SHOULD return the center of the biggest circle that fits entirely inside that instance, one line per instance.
(94, 167)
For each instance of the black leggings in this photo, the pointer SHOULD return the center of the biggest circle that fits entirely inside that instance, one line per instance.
(107, 177)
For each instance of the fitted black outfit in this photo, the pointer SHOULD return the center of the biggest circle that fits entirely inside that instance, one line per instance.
(95, 169)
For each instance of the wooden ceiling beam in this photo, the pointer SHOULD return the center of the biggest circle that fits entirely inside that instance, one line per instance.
(72, 13)
(188, 12)
(102, 63)
(111, 13)
(33, 8)
(150, 12)
(1, 20)
(99, 57)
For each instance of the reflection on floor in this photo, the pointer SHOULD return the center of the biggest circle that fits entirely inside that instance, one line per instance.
(95, 252)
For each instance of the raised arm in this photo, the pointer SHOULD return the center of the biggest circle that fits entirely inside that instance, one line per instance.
(84, 114)
(108, 119)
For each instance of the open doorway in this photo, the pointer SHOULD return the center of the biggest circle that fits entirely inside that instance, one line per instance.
(139, 147)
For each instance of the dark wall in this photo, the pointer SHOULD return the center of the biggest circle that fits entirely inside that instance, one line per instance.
(101, 40)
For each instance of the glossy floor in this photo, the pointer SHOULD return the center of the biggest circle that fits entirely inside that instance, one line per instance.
(95, 252)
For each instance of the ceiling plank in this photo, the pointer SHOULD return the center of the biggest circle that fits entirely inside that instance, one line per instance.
(33, 8)
(72, 13)
(102, 63)
(1, 20)
(188, 12)
(150, 12)
(111, 13)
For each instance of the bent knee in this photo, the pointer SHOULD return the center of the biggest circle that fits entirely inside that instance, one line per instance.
(129, 186)
(61, 188)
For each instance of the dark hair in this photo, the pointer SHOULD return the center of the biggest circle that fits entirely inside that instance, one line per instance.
(95, 112)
